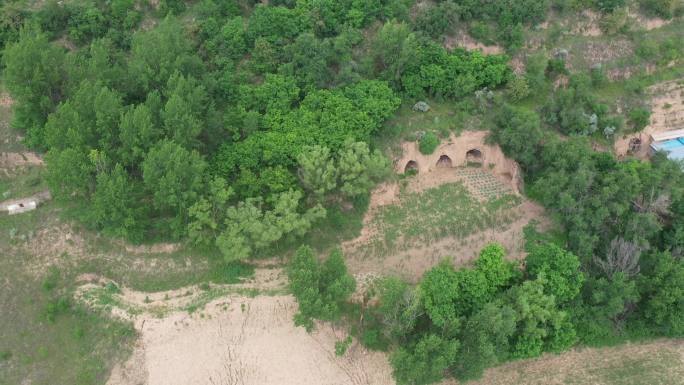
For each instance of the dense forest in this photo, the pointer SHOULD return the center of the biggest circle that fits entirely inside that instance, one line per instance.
(237, 126)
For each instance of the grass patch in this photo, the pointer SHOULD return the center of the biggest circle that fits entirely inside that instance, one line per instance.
(25, 182)
(49, 339)
(445, 211)
(340, 223)
(655, 369)
(217, 292)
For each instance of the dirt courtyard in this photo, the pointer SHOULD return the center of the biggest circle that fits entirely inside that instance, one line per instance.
(476, 219)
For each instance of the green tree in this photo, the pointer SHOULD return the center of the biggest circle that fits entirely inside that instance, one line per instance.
(137, 133)
(70, 173)
(86, 22)
(428, 143)
(250, 227)
(485, 340)
(540, 324)
(560, 268)
(317, 172)
(174, 177)
(320, 288)
(87, 120)
(33, 73)
(307, 60)
(208, 212)
(518, 88)
(394, 50)
(662, 291)
(114, 204)
(640, 118)
(605, 307)
(492, 264)
(440, 292)
(359, 168)
(424, 362)
(186, 106)
(662, 8)
(399, 308)
(519, 133)
(278, 25)
(159, 53)
(437, 20)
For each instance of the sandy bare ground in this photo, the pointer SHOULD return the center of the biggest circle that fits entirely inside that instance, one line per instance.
(589, 23)
(667, 113)
(157, 248)
(463, 40)
(236, 339)
(5, 100)
(13, 160)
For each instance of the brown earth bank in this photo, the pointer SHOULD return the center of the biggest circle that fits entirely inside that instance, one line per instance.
(667, 113)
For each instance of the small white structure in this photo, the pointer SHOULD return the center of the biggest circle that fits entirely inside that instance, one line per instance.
(22, 207)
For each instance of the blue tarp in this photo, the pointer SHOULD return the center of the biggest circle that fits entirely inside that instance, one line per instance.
(673, 147)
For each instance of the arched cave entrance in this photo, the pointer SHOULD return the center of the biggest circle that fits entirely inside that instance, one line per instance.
(411, 167)
(474, 156)
(444, 162)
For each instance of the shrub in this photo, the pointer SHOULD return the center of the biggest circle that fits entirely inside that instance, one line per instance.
(609, 5)
(428, 143)
(5, 355)
(56, 307)
(639, 118)
(518, 88)
(662, 8)
(342, 346)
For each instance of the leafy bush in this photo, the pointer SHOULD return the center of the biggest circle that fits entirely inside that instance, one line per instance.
(342, 346)
(661, 8)
(437, 20)
(428, 143)
(609, 5)
(639, 118)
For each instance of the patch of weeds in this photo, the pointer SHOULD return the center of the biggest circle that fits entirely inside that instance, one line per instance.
(228, 273)
(42, 353)
(342, 346)
(51, 280)
(340, 223)
(5, 355)
(112, 288)
(217, 292)
(428, 143)
(204, 286)
(445, 211)
(56, 307)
